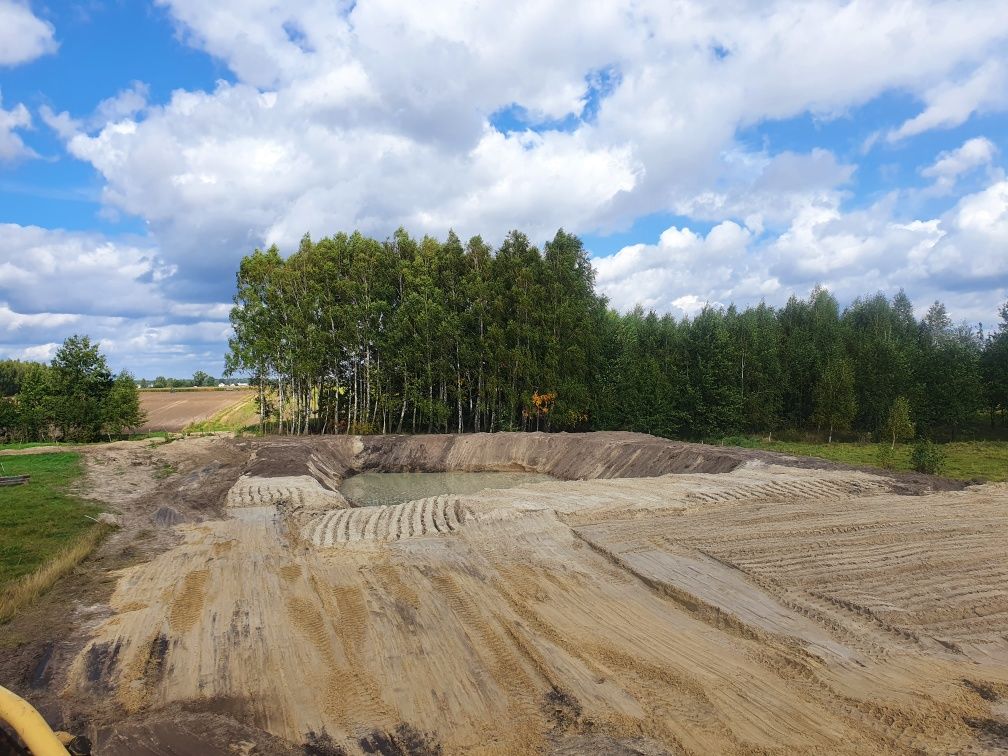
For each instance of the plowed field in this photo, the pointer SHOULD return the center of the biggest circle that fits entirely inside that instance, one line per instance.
(174, 410)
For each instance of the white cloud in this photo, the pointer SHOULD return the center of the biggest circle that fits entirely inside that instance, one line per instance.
(379, 113)
(950, 103)
(955, 257)
(769, 190)
(327, 128)
(23, 36)
(55, 283)
(12, 147)
(682, 272)
(37, 352)
(125, 104)
(950, 165)
(11, 321)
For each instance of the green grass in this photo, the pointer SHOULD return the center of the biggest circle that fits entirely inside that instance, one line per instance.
(965, 460)
(40, 519)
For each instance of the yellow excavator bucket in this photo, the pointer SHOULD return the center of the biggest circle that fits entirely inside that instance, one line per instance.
(35, 732)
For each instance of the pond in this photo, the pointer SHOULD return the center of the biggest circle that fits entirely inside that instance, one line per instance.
(372, 489)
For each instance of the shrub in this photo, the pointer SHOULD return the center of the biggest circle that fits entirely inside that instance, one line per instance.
(886, 456)
(746, 442)
(928, 457)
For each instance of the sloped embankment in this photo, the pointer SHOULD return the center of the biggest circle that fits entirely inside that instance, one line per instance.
(568, 456)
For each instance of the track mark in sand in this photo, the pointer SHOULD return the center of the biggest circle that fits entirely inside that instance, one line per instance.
(220, 548)
(335, 691)
(522, 731)
(352, 629)
(187, 606)
(394, 585)
(353, 616)
(440, 515)
(307, 618)
(143, 673)
(823, 488)
(290, 572)
(696, 726)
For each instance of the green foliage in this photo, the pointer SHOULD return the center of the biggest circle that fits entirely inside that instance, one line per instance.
(835, 404)
(351, 333)
(994, 369)
(422, 335)
(886, 456)
(76, 398)
(928, 457)
(898, 424)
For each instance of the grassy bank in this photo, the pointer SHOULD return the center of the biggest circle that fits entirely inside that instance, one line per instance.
(44, 529)
(964, 460)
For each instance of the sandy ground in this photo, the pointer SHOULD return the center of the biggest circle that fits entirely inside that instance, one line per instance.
(660, 598)
(174, 410)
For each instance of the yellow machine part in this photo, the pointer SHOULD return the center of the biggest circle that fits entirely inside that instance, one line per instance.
(29, 725)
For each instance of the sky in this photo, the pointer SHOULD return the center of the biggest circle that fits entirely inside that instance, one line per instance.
(706, 152)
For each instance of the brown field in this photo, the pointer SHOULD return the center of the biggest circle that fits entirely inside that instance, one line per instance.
(657, 598)
(173, 411)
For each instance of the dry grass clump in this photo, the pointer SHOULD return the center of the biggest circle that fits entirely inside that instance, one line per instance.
(26, 589)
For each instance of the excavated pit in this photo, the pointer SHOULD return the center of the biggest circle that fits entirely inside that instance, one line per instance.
(374, 489)
(656, 597)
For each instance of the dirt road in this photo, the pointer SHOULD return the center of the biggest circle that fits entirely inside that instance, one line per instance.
(660, 598)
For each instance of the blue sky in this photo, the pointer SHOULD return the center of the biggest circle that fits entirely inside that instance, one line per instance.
(704, 156)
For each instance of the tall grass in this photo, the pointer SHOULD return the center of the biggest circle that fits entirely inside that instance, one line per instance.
(25, 590)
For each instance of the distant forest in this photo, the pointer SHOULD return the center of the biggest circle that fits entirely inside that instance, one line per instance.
(356, 335)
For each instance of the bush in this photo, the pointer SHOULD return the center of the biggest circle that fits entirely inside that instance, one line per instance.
(927, 457)
(886, 456)
(746, 442)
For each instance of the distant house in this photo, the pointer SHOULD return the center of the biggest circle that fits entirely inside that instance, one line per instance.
(221, 385)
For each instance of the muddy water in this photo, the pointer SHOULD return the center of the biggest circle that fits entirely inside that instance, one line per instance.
(374, 489)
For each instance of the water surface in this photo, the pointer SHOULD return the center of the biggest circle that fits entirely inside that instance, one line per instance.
(374, 489)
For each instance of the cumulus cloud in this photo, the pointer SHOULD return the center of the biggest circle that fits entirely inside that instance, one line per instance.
(952, 257)
(124, 104)
(23, 36)
(324, 129)
(684, 271)
(770, 190)
(375, 114)
(55, 283)
(950, 103)
(949, 166)
(12, 147)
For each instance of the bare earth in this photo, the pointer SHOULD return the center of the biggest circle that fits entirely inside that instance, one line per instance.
(659, 598)
(173, 411)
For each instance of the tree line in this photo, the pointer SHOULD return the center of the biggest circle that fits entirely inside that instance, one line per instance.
(73, 398)
(351, 334)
